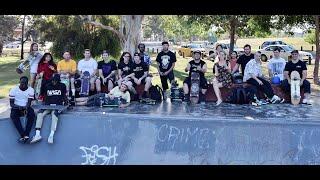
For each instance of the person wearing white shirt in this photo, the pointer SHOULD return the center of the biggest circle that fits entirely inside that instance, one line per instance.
(89, 64)
(276, 65)
(253, 75)
(20, 100)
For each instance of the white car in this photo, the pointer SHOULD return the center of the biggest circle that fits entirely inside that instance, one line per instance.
(285, 53)
(15, 44)
(225, 47)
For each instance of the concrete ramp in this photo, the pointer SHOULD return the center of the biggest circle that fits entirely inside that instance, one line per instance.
(116, 136)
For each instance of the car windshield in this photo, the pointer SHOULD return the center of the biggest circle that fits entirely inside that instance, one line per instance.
(287, 48)
(195, 45)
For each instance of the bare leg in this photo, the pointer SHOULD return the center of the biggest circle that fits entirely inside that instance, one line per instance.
(216, 85)
(73, 89)
(98, 85)
(185, 88)
(110, 85)
(148, 83)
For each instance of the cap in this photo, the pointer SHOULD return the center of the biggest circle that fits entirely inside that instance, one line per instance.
(295, 51)
(197, 51)
(136, 54)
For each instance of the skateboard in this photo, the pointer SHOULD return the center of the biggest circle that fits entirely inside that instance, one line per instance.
(23, 66)
(195, 87)
(176, 92)
(38, 86)
(60, 108)
(295, 87)
(65, 80)
(85, 84)
(112, 103)
(148, 101)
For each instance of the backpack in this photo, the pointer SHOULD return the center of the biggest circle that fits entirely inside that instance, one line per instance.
(156, 93)
(242, 95)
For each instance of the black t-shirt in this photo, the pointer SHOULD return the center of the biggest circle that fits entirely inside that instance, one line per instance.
(166, 60)
(107, 68)
(125, 68)
(55, 93)
(194, 65)
(299, 66)
(139, 69)
(243, 60)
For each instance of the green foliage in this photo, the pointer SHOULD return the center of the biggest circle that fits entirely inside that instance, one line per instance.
(311, 37)
(70, 33)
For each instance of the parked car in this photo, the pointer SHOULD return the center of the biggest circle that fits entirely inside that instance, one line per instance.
(225, 47)
(155, 46)
(187, 50)
(285, 53)
(15, 44)
(274, 42)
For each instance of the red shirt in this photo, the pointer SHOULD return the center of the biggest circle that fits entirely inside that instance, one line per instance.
(44, 67)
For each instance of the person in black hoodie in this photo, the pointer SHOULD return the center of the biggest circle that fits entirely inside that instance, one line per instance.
(55, 94)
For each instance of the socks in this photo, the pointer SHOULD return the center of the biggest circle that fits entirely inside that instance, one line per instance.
(73, 92)
(37, 132)
(51, 133)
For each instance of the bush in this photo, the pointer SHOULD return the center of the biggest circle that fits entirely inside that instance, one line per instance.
(311, 37)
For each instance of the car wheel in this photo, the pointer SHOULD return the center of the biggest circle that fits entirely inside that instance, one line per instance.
(211, 52)
(264, 58)
(180, 54)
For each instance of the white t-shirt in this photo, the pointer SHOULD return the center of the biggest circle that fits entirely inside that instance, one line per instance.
(34, 61)
(21, 97)
(117, 93)
(87, 65)
(252, 67)
(277, 66)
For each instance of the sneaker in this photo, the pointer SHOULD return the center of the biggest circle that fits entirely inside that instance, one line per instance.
(306, 101)
(50, 139)
(26, 138)
(40, 98)
(21, 140)
(35, 139)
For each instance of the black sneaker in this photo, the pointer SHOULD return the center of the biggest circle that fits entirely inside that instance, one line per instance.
(26, 138)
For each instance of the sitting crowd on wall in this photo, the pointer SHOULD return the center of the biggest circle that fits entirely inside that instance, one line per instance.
(110, 79)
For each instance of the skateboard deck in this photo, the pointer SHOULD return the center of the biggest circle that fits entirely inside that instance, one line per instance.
(38, 87)
(295, 87)
(85, 84)
(112, 103)
(148, 101)
(50, 107)
(23, 66)
(195, 87)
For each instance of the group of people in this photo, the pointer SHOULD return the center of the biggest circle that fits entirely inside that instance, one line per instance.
(122, 78)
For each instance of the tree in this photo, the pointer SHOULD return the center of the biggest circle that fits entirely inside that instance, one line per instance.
(7, 26)
(311, 37)
(129, 32)
(74, 34)
(304, 22)
(242, 25)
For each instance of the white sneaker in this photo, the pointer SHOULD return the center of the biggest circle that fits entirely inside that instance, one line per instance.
(307, 101)
(50, 139)
(35, 139)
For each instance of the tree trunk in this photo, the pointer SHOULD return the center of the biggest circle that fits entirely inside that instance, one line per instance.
(130, 28)
(232, 33)
(22, 36)
(316, 64)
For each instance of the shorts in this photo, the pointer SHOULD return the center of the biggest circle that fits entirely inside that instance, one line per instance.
(112, 79)
(143, 81)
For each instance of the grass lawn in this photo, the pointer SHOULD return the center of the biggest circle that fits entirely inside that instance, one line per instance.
(9, 77)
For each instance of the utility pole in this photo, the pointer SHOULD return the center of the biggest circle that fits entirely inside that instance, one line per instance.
(22, 36)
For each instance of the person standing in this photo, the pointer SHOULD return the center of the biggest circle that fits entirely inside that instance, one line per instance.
(166, 61)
